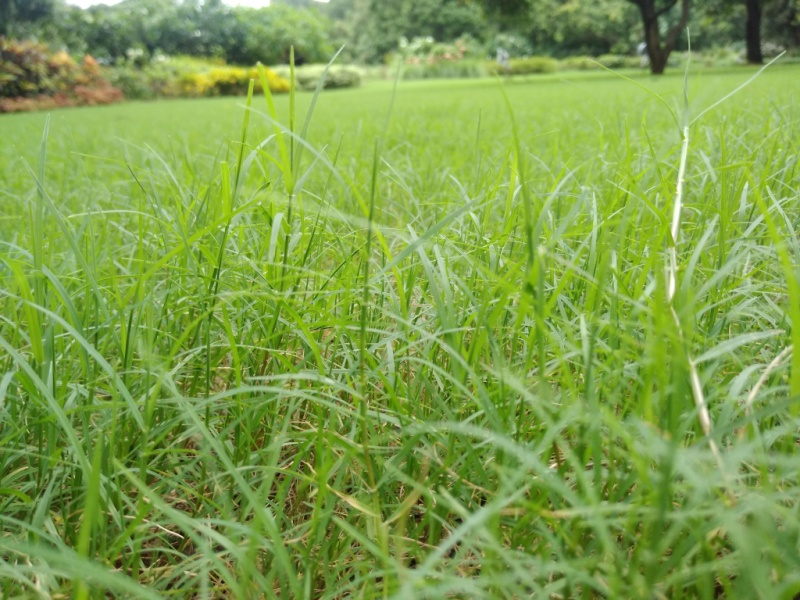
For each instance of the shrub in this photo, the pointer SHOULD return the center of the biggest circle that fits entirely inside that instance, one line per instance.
(611, 61)
(308, 76)
(195, 85)
(276, 83)
(229, 81)
(33, 78)
(94, 95)
(338, 77)
(163, 75)
(578, 63)
(134, 83)
(424, 58)
(445, 70)
(426, 49)
(185, 77)
(26, 69)
(526, 66)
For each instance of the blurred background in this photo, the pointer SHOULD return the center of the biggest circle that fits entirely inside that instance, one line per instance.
(150, 48)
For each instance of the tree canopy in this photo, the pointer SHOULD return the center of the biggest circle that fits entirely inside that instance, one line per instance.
(19, 12)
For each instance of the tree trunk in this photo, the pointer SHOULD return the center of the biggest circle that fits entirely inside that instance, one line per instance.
(652, 37)
(658, 52)
(753, 32)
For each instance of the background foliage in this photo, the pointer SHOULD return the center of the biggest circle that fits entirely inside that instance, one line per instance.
(371, 30)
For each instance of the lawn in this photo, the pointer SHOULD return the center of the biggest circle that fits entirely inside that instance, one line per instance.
(421, 349)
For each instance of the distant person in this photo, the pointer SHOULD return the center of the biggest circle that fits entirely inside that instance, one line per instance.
(641, 50)
(503, 59)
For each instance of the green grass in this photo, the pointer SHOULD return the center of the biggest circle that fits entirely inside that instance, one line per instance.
(447, 366)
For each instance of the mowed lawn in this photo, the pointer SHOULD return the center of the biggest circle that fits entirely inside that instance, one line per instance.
(418, 349)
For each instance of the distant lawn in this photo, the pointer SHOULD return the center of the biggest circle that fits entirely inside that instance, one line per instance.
(403, 359)
(215, 121)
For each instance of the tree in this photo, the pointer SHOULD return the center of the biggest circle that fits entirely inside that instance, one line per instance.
(268, 34)
(443, 20)
(15, 12)
(651, 13)
(753, 21)
(753, 32)
(582, 27)
(566, 27)
(376, 26)
(350, 24)
(782, 22)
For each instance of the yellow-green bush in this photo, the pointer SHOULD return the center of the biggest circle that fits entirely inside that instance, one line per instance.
(276, 83)
(195, 85)
(234, 81)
